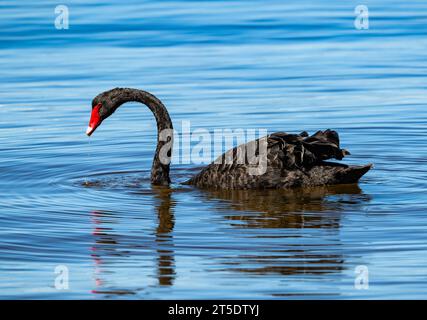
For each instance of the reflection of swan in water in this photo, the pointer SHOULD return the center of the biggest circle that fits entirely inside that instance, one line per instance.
(106, 245)
(109, 245)
(303, 238)
(297, 208)
(166, 222)
(294, 211)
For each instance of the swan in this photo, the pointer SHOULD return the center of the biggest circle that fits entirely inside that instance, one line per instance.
(291, 160)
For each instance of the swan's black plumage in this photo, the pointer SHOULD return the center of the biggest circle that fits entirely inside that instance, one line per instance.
(291, 160)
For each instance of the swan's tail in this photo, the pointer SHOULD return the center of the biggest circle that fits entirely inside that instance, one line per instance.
(352, 174)
(330, 173)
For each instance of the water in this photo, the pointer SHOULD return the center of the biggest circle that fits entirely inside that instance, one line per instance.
(299, 65)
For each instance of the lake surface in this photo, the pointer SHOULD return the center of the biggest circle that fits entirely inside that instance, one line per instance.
(86, 204)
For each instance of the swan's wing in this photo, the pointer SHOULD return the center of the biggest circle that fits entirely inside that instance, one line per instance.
(325, 145)
(287, 151)
(301, 150)
(292, 160)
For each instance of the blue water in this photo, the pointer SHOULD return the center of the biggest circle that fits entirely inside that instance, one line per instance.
(87, 204)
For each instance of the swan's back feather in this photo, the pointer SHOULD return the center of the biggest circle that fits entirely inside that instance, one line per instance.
(293, 160)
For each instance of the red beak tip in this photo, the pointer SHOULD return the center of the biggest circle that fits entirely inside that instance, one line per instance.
(95, 120)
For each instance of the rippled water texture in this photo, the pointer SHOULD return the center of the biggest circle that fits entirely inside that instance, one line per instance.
(86, 204)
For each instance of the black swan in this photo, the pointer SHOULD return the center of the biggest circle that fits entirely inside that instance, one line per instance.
(291, 160)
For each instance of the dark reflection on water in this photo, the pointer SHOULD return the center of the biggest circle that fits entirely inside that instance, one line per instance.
(107, 243)
(293, 261)
(318, 207)
(164, 237)
(288, 208)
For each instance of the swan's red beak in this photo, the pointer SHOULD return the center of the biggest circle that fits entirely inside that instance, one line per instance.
(95, 120)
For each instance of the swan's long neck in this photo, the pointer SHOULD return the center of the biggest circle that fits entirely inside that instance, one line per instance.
(161, 161)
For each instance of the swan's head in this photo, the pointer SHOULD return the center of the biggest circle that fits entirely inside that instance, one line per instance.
(103, 106)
